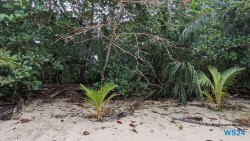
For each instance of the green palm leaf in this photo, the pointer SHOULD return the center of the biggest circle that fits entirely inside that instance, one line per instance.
(180, 77)
(204, 80)
(209, 97)
(198, 22)
(107, 88)
(229, 75)
(216, 77)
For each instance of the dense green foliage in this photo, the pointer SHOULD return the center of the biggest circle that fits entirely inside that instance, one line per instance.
(150, 48)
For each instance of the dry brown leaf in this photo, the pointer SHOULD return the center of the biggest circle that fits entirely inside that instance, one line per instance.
(134, 131)
(85, 133)
(131, 125)
(119, 122)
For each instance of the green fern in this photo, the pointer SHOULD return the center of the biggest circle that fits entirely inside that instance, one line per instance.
(97, 98)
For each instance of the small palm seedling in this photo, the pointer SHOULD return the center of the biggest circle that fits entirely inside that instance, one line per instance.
(217, 88)
(96, 98)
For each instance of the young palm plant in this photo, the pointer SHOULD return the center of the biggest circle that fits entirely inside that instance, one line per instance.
(96, 98)
(180, 77)
(217, 88)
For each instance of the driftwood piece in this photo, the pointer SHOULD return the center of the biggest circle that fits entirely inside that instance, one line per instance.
(201, 123)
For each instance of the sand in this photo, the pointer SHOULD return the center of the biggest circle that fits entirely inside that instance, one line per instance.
(59, 120)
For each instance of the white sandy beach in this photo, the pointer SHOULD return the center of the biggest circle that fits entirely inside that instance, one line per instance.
(63, 121)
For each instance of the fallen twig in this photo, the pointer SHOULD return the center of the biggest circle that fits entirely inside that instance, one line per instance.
(202, 123)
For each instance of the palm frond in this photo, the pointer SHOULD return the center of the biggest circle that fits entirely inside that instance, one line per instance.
(195, 25)
(107, 88)
(106, 102)
(209, 97)
(203, 80)
(181, 76)
(170, 70)
(87, 90)
(216, 77)
(228, 76)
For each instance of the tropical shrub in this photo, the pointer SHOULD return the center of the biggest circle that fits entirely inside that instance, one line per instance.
(97, 98)
(6, 62)
(180, 80)
(69, 42)
(129, 83)
(117, 72)
(216, 88)
(218, 35)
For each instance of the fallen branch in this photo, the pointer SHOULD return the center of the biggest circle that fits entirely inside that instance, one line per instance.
(73, 91)
(201, 123)
(57, 93)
